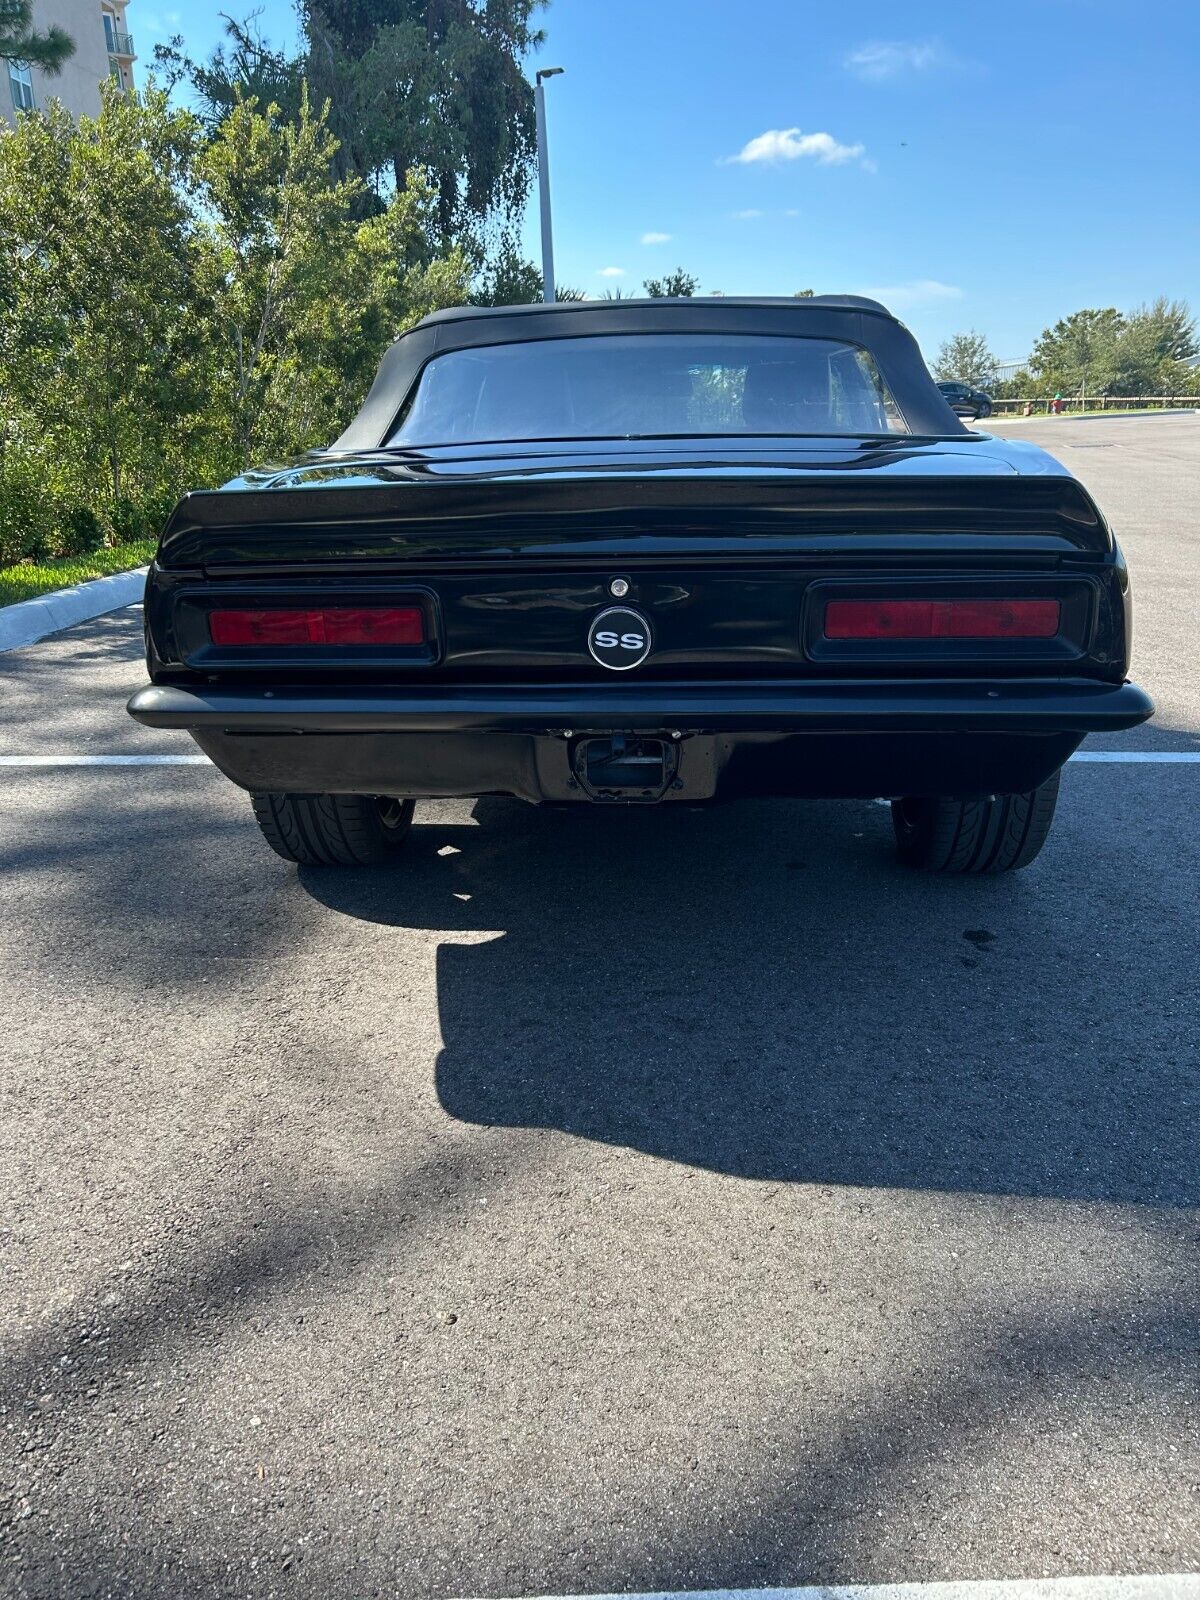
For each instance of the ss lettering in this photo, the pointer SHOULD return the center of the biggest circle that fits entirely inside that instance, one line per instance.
(607, 640)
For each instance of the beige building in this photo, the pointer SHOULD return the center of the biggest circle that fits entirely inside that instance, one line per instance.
(103, 49)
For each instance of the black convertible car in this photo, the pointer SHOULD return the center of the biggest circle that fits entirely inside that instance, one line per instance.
(653, 552)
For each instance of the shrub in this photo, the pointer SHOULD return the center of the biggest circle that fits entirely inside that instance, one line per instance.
(82, 532)
(139, 519)
(158, 508)
(126, 520)
(27, 513)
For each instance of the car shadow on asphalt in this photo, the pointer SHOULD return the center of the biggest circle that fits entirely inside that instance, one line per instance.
(757, 990)
(761, 991)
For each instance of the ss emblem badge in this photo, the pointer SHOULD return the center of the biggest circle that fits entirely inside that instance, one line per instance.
(620, 638)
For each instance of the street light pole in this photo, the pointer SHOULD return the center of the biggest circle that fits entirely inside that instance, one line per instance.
(543, 160)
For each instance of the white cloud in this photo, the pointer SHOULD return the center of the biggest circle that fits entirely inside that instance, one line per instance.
(745, 216)
(656, 238)
(789, 144)
(612, 272)
(881, 59)
(917, 292)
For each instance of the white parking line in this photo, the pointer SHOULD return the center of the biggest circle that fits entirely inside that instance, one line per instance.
(1136, 755)
(1141, 756)
(1165, 1586)
(105, 761)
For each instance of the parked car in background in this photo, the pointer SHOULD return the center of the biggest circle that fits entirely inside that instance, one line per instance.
(647, 552)
(965, 401)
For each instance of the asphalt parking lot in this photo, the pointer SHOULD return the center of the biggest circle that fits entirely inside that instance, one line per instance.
(601, 1202)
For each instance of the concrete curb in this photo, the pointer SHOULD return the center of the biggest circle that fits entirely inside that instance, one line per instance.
(1128, 416)
(30, 620)
(1100, 416)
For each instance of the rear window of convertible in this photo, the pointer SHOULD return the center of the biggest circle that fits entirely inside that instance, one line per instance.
(621, 386)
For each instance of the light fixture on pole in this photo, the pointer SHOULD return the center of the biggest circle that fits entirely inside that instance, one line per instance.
(543, 159)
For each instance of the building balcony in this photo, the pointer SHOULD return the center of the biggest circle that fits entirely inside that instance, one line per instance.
(120, 45)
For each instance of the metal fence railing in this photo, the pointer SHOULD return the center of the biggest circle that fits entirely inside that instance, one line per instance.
(1039, 406)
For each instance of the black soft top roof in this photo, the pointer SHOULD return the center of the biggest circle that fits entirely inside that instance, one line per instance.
(567, 308)
(851, 318)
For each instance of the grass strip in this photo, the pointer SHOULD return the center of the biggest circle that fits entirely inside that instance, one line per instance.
(27, 579)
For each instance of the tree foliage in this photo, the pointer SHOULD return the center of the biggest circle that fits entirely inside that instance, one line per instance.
(432, 84)
(308, 294)
(672, 284)
(965, 357)
(437, 84)
(245, 67)
(101, 349)
(507, 278)
(1105, 351)
(1075, 349)
(1167, 327)
(174, 305)
(182, 293)
(21, 41)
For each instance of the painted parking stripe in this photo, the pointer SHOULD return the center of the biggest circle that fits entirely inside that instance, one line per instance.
(1136, 755)
(1165, 1586)
(105, 761)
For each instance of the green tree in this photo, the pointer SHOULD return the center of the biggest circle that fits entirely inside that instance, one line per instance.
(966, 358)
(1130, 363)
(281, 226)
(673, 284)
(804, 294)
(1150, 352)
(1021, 385)
(246, 67)
(308, 294)
(1167, 327)
(1076, 353)
(101, 321)
(1108, 352)
(507, 278)
(174, 304)
(436, 84)
(431, 84)
(392, 275)
(21, 41)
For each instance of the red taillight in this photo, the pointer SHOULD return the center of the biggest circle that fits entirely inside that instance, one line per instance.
(331, 625)
(942, 619)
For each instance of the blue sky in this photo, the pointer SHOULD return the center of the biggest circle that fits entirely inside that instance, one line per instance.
(973, 166)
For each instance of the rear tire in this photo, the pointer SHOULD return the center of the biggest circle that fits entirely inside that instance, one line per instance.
(333, 830)
(1003, 834)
